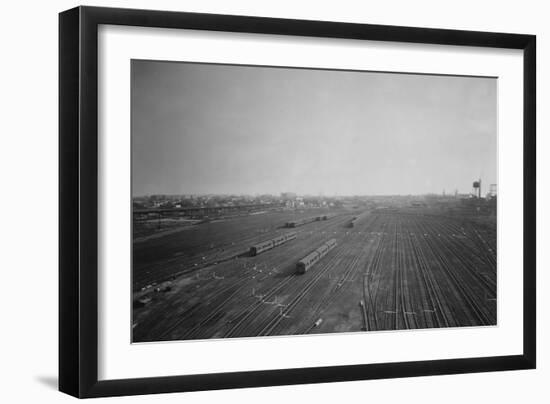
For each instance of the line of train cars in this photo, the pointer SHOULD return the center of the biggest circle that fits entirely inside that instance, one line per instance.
(269, 244)
(309, 260)
(301, 222)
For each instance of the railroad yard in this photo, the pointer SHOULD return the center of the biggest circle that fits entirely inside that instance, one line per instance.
(359, 270)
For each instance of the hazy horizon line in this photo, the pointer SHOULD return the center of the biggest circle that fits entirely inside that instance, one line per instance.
(278, 194)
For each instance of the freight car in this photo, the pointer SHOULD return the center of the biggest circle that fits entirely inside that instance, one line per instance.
(269, 244)
(309, 260)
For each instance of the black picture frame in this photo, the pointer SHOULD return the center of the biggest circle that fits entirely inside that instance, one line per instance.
(78, 200)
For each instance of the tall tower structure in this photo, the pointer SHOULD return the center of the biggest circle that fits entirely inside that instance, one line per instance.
(477, 188)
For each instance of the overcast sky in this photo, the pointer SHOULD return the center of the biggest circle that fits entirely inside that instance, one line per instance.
(203, 128)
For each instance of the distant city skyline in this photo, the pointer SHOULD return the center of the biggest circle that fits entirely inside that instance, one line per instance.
(246, 130)
(484, 192)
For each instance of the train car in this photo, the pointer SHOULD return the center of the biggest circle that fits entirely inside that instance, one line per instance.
(305, 263)
(312, 258)
(331, 243)
(261, 247)
(269, 244)
(279, 240)
(290, 236)
(301, 222)
(322, 250)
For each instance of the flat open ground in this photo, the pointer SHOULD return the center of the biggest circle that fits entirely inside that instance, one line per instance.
(395, 269)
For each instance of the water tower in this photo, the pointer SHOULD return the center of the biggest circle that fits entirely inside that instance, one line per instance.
(477, 188)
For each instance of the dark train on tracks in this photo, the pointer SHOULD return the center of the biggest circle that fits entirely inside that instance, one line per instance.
(356, 219)
(301, 222)
(312, 258)
(269, 244)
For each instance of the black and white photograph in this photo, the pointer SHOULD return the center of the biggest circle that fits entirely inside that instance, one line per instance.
(275, 201)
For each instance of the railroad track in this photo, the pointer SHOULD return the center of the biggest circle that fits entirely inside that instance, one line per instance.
(341, 284)
(319, 271)
(411, 239)
(486, 253)
(414, 268)
(407, 310)
(181, 265)
(241, 239)
(433, 292)
(237, 288)
(370, 293)
(483, 272)
(249, 311)
(469, 302)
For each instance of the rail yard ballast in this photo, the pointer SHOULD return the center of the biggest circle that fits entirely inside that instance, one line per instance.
(269, 244)
(403, 265)
(309, 260)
